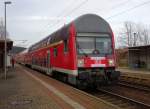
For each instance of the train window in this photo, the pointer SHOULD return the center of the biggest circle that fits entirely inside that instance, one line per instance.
(88, 45)
(104, 45)
(55, 52)
(65, 45)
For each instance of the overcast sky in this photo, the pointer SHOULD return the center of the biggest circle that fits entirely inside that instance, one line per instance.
(33, 20)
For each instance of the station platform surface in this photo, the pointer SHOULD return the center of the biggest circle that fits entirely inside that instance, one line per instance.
(28, 89)
(21, 92)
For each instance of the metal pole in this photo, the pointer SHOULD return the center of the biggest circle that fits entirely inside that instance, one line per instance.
(5, 66)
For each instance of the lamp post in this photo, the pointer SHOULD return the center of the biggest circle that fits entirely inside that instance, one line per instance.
(5, 66)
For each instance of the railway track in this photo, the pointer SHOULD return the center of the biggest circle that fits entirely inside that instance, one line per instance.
(135, 86)
(125, 95)
(136, 79)
(121, 101)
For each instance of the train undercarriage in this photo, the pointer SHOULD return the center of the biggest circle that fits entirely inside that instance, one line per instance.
(87, 77)
(97, 76)
(92, 78)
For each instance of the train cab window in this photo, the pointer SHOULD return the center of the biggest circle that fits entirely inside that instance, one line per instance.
(55, 52)
(94, 44)
(65, 46)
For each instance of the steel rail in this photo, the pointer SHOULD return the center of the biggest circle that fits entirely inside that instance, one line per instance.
(140, 87)
(125, 98)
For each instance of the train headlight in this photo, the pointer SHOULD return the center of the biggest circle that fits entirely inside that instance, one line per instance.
(80, 62)
(111, 62)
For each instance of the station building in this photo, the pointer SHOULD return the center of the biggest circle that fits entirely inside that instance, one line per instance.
(139, 57)
(2, 52)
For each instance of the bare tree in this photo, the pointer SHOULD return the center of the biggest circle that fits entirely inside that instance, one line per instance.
(133, 34)
(128, 30)
(146, 38)
(125, 37)
(2, 29)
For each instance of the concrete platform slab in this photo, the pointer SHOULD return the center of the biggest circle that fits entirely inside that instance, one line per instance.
(21, 92)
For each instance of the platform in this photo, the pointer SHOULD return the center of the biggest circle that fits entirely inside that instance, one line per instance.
(21, 92)
(28, 89)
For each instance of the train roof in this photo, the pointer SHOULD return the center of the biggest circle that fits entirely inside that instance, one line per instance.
(91, 23)
(83, 24)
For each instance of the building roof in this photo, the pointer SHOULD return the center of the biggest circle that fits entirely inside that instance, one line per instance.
(139, 47)
(9, 44)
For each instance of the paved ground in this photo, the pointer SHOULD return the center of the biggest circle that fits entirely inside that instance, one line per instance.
(21, 92)
(28, 89)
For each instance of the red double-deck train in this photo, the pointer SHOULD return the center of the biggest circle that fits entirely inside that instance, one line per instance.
(81, 52)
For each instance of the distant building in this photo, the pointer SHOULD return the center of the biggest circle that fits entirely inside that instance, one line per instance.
(139, 57)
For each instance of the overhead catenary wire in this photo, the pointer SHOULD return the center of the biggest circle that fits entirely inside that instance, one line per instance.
(115, 15)
(115, 6)
(120, 4)
(129, 9)
(74, 9)
(64, 10)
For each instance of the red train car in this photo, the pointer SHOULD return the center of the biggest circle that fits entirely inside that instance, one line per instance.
(81, 52)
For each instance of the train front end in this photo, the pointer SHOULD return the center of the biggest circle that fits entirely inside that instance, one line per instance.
(95, 51)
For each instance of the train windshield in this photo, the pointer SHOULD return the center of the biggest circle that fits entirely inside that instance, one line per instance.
(97, 44)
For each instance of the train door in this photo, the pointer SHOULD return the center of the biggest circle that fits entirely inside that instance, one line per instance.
(48, 63)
